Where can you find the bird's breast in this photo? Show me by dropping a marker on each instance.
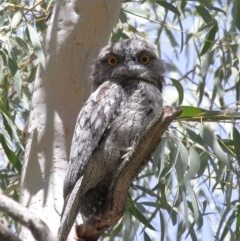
(136, 111)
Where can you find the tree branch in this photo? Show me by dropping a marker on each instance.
(131, 166)
(39, 229)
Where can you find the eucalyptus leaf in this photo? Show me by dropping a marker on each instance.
(194, 164)
(179, 88)
(236, 143)
(209, 41)
(204, 13)
(212, 141)
(37, 45)
(17, 17)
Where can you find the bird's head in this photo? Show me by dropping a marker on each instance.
(128, 60)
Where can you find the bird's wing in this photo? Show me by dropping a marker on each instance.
(92, 122)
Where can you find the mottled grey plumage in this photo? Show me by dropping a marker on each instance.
(127, 83)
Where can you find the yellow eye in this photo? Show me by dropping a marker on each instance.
(112, 60)
(144, 59)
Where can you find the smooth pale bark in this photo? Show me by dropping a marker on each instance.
(78, 29)
(38, 228)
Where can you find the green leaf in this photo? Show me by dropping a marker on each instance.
(194, 164)
(185, 205)
(22, 44)
(218, 10)
(189, 111)
(123, 17)
(182, 35)
(236, 143)
(204, 156)
(12, 65)
(179, 88)
(139, 215)
(18, 83)
(6, 137)
(37, 45)
(169, 6)
(11, 128)
(196, 138)
(228, 218)
(159, 158)
(172, 38)
(146, 237)
(180, 154)
(17, 17)
(208, 26)
(192, 233)
(209, 41)
(212, 141)
(204, 13)
(6, 144)
(237, 232)
(235, 13)
(162, 222)
(194, 203)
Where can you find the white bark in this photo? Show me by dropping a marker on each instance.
(38, 228)
(78, 29)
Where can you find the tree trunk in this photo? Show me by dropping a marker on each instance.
(78, 29)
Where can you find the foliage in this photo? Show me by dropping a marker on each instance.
(20, 52)
(190, 189)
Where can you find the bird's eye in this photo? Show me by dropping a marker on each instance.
(144, 59)
(112, 60)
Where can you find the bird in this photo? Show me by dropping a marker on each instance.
(127, 82)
